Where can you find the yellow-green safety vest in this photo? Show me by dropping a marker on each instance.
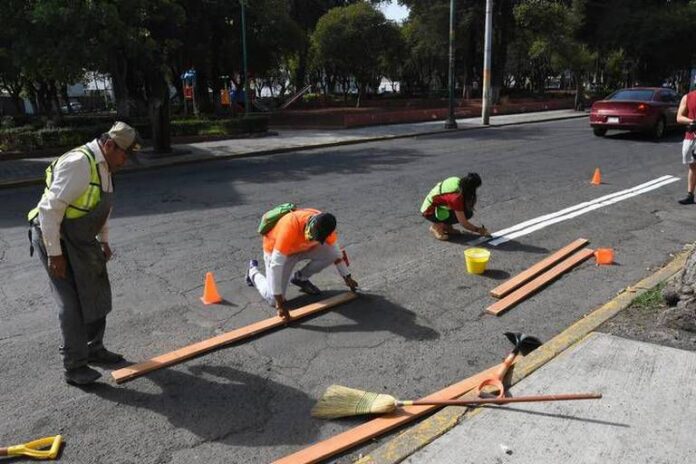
(449, 185)
(90, 197)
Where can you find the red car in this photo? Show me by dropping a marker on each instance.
(646, 109)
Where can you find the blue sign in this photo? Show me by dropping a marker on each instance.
(189, 75)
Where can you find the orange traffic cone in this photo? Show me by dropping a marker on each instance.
(597, 177)
(210, 293)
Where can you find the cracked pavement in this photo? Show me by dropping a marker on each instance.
(417, 327)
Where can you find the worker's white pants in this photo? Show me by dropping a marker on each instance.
(320, 257)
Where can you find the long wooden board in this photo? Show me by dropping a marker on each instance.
(531, 272)
(376, 427)
(526, 290)
(190, 351)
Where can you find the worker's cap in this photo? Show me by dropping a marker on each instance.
(125, 137)
(321, 226)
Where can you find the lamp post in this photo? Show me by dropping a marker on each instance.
(486, 103)
(451, 123)
(244, 57)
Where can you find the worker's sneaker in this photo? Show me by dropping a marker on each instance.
(305, 286)
(84, 375)
(253, 265)
(688, 200)
(104, 356)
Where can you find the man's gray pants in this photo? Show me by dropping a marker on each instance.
(320, 257)
(79, 338)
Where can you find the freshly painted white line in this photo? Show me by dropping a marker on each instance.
(538, 223)
(579, 206)
(593, 207)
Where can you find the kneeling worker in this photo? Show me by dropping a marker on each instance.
(450, 202)
(301, 234)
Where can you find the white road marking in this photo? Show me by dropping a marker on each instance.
(538, 223)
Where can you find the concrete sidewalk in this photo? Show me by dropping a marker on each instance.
(646, 415)
(647, 390)
(15, 173)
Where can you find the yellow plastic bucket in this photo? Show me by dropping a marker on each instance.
(476, 260)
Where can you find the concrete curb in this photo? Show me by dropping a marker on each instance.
(206, 158)
(425, 432)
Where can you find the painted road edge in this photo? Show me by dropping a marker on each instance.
(428, 430)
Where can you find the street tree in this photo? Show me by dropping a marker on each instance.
(352, 41)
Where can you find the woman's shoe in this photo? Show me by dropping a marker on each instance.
(438, 235)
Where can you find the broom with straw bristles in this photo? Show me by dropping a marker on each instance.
(340, 401)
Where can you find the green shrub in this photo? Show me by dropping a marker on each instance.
(16, 137)
(27, 138)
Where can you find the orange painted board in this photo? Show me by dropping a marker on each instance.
(531, 272)
(383, 424)
(528, 289)
(182, 354)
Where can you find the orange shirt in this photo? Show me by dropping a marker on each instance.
(288, 237)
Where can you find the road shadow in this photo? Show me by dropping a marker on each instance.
(195, 187)
(511, 245)
(673, 135)
(514, 245)
(496, 274)
(225, 405)
(374, 313)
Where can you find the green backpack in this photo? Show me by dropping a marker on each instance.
(271, 217)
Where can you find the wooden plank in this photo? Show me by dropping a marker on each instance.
(531, 272)
(376, 427)
(196, 349)
(523, 292)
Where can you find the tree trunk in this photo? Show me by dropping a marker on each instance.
(158, 106)
(301, 71)
(66, 98)
(579, 99)
(119, 71)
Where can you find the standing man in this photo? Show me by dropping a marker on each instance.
(302, 234)
(687, 116)
(69, 230)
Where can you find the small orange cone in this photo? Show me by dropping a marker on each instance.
(210, 292)
(597, 177)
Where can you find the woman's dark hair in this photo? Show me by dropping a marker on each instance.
(468, 185)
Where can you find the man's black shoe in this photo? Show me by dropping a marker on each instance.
(81, 375)
(104, 356)
(689, 200)
(306, 286)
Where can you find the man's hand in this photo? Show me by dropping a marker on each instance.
(280, 307)
(352, 284)
(57, 266)
(107, 250)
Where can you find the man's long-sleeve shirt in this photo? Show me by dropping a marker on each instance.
(71, 177)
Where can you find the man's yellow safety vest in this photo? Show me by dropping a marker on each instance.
(90, 197)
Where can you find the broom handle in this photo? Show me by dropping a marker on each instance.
(519, 399)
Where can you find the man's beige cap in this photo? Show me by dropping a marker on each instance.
(125, 136)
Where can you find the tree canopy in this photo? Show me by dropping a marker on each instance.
(145, 45)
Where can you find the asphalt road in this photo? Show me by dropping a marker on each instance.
(418, 326)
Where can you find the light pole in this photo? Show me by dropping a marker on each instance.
(244, 57)
(451, 123)
(486, 103)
